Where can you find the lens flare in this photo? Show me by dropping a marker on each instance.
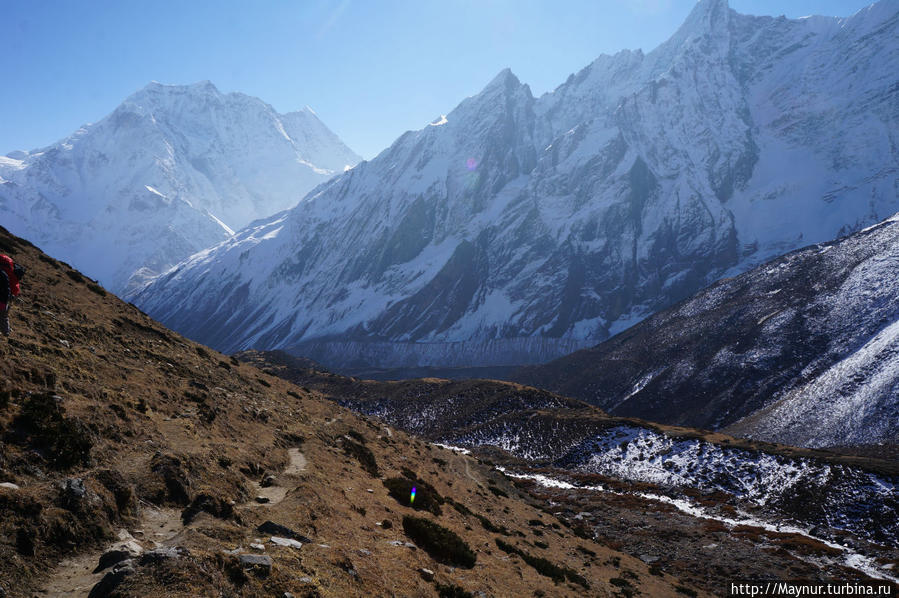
(412, 498)
(471, 164)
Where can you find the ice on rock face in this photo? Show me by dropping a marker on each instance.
(174, 169)
(522, 227)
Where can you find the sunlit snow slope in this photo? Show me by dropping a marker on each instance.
(515, 230)
(803, 350)
(172, 170)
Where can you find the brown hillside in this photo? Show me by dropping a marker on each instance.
(111, 424)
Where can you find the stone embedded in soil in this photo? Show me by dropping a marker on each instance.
(262, 499)
(118, 554)
(160, 554)
(111, 580)
(426, 574)
(285, 542)
(260, 563)
(276, 529)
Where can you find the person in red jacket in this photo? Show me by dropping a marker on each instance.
(10, 275)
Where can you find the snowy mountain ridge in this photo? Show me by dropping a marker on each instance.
(518, 228)
(802, 350)
(172, 170)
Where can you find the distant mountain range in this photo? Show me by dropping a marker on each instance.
(803, 350)
(173, 170)
(515, 229)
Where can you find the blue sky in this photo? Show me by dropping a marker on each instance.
(371, 69)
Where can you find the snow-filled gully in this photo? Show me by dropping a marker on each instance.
(851, 559)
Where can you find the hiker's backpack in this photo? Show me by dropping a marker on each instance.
(10, 270)
(19, 271)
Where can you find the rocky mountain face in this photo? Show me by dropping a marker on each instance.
(173, 170)
(848, 503)
(801, 350)
(517, 229)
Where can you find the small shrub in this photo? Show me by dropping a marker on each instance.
(542, 545)
(362, 454)
(97, 289)
(624, 585)
(459, 507)
(426, 497)
(66, 441)
(202, 352)
(355, 435)
(544, 567)
(387, 524)
(498, 491)
(686, 591)
(443, 545)
(451, 591)
(265, 383)
(75, 276)
(48, 260)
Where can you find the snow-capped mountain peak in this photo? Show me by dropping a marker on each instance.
(522, 228)
(172, 170)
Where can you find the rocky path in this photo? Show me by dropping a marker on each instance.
(74, 577)
(267, 496)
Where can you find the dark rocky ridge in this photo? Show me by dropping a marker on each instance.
(800, 350)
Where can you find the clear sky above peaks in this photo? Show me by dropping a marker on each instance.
(371, 69)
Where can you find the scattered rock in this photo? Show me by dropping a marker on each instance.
(9, 486)
(426, 574)
(118, 554)
(387, 524)
(268, 481)
(257, 546)
(285, 542)
(262, 500)
(276, 529)
(72, 493)
(410, 545)
(111, 580)
(287, 595)
(364, 552)
(260, 564)
(161, 554)
(648, 558)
